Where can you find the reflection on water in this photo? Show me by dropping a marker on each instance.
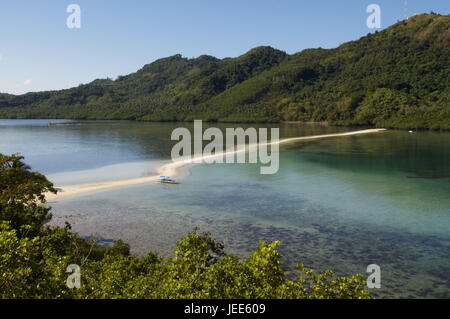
(340, 203)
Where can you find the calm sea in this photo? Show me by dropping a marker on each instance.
(340, 203)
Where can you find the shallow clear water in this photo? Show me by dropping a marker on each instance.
(340, 203)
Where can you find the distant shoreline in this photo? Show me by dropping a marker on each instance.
(319, 123)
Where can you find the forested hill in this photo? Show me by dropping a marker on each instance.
(398, 77)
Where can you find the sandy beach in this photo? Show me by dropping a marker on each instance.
(172, 168)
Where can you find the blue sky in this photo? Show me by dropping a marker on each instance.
(39, 52)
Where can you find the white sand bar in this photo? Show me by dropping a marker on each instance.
(172, 168)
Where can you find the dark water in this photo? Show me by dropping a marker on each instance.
(339, 203)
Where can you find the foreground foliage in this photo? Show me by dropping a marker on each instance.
(33, 260)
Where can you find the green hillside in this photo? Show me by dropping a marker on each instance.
(398, 77)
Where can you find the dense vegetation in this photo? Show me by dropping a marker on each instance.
(398, 77)
(34, 259)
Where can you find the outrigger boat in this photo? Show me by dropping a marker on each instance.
(168, 180)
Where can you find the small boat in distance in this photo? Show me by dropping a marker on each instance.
(168, 180)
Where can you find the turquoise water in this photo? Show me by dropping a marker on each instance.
(340, 203)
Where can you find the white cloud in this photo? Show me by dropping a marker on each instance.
(1, 57)
(27, 82)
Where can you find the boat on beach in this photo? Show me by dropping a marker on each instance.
(167, 180)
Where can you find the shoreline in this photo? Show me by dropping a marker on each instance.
(76, 121)
(322, 123)
(172, 168)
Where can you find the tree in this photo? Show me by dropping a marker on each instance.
(22, 195)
